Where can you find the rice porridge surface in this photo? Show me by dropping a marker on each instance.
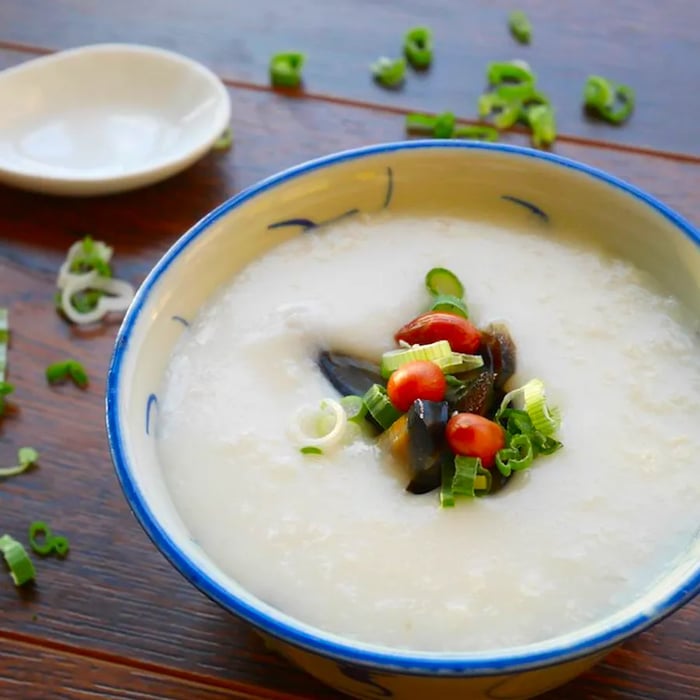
(335, 540)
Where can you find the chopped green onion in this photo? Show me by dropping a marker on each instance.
(26, 457)
(476, 132)
(44, 542)
(546, 420)
(544, 128)
(418, 47)
(506, 112)
(451, 304)
(459, 362)
(447, 496)
(5, 387)
(311, 450)
(389, 72)
(380, 407)
(354, 407)
(393, 359)
(420, 123)
(86, 290)
(67, 369)
(444, 125)
(285, 69)
(518, 455)
(20, 565)
(440, 280)
(520, 26)
(601, 96)
(534, 402)
(510, 72)
(470, 478)
(225, 141)
(322, 427)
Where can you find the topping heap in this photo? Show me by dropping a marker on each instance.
(439, 402)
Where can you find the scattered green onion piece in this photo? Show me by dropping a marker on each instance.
(67, 369)
(420, 123)
(459, 362)
(506, 112)
(544, 444)
(5, 389)
(542, 122)
(20, 565)
(92, 255)
(328, 425)
(26, 457)
(520, 26)
(598, 92)
(518, 455)
(476, 132)
(514, 91)
(418, 47)
(354, 407)
(601, 95)
(285, 69)
(389, 72)
(40, 537)
(534, 402)
(544, 419)
(447, 497)
(225, 141)
(311, 450)
(470, 478)
(380, 407)
(444, 125)
(450, 304)
(440, 280)
(510, 72)
(393, 359)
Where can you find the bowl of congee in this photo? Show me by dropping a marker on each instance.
(424, 414)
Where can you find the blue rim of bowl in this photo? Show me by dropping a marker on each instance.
(297, 633)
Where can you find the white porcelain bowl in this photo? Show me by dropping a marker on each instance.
(433, 176)
(106, 118)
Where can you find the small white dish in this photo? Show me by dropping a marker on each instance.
(106, 118)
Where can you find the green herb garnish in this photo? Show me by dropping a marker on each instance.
(607, 99)
(311, 450)
(26, 457)
(285, 69)
(67, 369)
(520, 26)
(418, 47)
(20, 565)
(225, 141)
(44, 542)
(389, 72)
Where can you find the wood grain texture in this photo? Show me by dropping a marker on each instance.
(652, 46)
(114, 597)
(23, 674)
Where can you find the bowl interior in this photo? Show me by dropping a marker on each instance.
(521, 189)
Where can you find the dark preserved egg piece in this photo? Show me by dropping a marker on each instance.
(478, 395)
(499, 353)
(426, 442)
(349, 375)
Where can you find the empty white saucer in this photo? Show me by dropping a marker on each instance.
(106, 118)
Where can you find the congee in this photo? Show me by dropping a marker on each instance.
(331, 535)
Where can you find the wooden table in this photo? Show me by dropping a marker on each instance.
(114, 620)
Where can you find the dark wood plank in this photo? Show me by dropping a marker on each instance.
(24, 666)
(650, 45)
(114, 593)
